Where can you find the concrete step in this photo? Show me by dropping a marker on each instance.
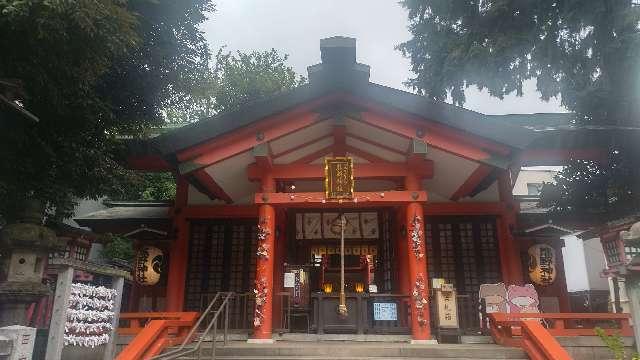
(363, 350)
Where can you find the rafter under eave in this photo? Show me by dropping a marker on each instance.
(473, 181)
(205, 184)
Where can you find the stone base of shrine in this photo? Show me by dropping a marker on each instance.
(261, 341)
(423, 342)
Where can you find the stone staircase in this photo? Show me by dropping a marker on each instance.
(342, 350)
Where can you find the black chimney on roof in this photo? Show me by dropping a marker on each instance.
(338, 64)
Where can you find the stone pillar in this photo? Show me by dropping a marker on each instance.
(632, 285)
(417, 267)
(263, 312)
(632, 282)
(110, 347)
(59, 314)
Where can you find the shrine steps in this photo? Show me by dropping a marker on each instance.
(349, 350)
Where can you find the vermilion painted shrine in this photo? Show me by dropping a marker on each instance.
(432, 199)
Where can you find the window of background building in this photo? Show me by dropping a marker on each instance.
(534, 188)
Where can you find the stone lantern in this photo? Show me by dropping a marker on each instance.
(632, 278)
(24, 249)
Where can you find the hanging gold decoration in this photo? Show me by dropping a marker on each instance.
(342, 308)
(338, 178)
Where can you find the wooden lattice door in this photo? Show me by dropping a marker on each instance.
(221, 258)
(463, 251)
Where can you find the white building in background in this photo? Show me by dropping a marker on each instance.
(584, 260)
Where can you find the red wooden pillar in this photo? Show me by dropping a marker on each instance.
(417, 266)
(178, 252)
(509, 248)
(263, 314)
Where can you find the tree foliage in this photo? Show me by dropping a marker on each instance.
(92, 72)
(586, 52)
(245, 77)
(117, 247)
(144, 186)
(236, 79)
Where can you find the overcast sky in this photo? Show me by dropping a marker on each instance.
(295, 27)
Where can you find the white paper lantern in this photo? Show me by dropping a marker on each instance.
(148, 266)
(542, 264)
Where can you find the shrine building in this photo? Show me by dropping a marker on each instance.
(412, 192)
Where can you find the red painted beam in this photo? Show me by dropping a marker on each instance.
(303, 145)
(432, 126)
(383, 170)
(213, 190)
(438, 140)
(339, 141)
(363, 154)
(264, 162)
(244, 139)
(253, 128)
(314, 155)
(476, 177)
(375, 143)
(551, 157)
(314, 199)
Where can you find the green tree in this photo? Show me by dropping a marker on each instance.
(233, 80)
(92, 71)
(236, 79)
(248, 77)
(586, 52)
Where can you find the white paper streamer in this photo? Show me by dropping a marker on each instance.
(87, 303)
(89, 316)
(86, 341)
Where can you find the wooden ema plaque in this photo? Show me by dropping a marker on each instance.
(338, 178)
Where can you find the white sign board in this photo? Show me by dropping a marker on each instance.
(385, 311)
(289, 279)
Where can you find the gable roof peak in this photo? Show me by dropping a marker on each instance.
(338, 66)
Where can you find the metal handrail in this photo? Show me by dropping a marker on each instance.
(180, 351)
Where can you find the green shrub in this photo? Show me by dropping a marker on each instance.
(615, 343)
(117, 247)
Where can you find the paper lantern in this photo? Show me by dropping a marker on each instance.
(148, 266)
(542, 264)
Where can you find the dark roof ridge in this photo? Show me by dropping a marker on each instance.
(491, 127)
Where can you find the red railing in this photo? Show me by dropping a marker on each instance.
(526, 330)
(154, 332)
(539, 344)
